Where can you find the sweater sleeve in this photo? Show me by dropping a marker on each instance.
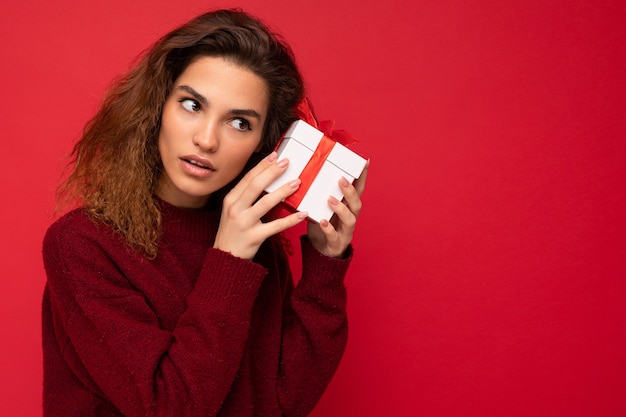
(113, 341)
(315, 330)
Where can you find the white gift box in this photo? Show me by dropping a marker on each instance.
(319, 162)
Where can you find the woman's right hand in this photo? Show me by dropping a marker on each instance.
(241, 231)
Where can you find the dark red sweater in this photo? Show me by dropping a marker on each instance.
(194, 332)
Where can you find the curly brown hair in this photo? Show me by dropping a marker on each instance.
(115, 166)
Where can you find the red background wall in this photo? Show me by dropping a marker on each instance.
(490, 276)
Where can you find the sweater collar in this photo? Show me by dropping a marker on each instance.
(189, 224)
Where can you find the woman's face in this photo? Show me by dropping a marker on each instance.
(211, 124)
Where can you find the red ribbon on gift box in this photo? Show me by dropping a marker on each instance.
(324, 147)
(305, 112)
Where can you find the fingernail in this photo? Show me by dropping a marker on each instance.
(295, 183)
(303, 215)
(332, 200)
(272, 157)
(283, 162)
(344, 182)
(324, 223)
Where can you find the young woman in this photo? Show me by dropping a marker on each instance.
(169, 292)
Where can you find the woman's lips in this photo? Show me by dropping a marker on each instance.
(199, 161)
(197, 166)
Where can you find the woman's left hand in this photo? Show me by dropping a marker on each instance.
(333, 237)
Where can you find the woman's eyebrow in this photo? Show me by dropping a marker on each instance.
(245, 112)
(203, 100)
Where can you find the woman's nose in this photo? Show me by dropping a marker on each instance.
(207, 137)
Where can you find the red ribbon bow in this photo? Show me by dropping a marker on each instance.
(304, 112)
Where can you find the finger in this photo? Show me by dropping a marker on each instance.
(271, 200)
(265, 163)
(255, 184)
(346, 218)
(333, 239)
(351, 195)
(276, 226)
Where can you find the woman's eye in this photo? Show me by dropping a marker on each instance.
(240, 124)
(190, 105)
